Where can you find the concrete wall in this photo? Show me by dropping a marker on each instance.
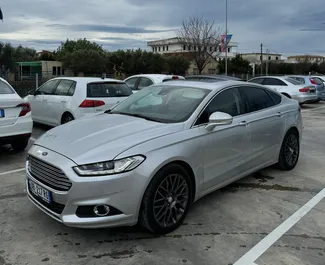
(51, 69)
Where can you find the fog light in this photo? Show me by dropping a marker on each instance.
(101, 210)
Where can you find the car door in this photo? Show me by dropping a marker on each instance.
(144, 82)
(39, 100)
(275, 83)
(58, 103)
(133, 83)
(267, 123)
(226, 149)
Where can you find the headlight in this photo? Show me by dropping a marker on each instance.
(109, 167)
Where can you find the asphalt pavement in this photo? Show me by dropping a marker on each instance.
(269, 218)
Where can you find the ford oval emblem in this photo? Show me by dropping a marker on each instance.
(44, 153)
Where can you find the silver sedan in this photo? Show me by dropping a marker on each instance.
(150, 157)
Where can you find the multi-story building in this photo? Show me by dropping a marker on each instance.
(174, 46)
(307, 58)
(255, 57)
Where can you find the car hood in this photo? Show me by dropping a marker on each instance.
(102, 137)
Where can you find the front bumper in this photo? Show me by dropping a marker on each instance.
(122, 192)
(305, 98)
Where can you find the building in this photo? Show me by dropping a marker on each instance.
(174, 46)
(44, 69)
(255, 57)
(44, 52)
(306, 58)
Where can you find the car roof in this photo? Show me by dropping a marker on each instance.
(204, 85)
(271, 76)
(157, 77)
(215, 76)
(88, 79)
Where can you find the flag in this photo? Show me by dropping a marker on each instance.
(1, 16)
(225, 39)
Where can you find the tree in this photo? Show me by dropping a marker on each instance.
(82, 56)
(236, 65)
(177, 64)
(47, 56)
(202, 39)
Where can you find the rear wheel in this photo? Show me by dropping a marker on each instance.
(166, 200)
(19, 144)
(290, 149)
(67, 117)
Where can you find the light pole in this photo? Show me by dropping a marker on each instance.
(226, 62)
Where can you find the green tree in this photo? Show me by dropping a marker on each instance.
(47, 56)
(236, 65)
(82, 56)
(177, 65)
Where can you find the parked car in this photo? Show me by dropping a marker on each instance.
(312, 81)
(211, 78)
(149, 163)
(289, 87)
(321, 77)
(15, 118)
(137, 82)
(64, 99)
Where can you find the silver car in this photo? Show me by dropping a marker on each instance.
(154, 154)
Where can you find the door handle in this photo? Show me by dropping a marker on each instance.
(279, 114)
(63, 101)
(243, 123)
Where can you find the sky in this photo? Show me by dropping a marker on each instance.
(283, 26)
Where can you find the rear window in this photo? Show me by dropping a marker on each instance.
(108, 89)
(295, 80)
(317, 80)
(5, 88)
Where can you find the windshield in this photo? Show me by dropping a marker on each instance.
(293, 81)
(167, 104)
(5, 89)
(108, 89)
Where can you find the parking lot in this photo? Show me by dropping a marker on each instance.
(222, 228)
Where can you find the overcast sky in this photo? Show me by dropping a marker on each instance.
(284, 26)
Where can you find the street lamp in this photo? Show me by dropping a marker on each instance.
(226, 62)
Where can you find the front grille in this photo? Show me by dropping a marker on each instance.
(54, 206)
(49, 175)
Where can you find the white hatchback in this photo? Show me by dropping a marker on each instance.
(64, 99)
(15, 118)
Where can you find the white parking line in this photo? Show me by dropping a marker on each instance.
(12, 171)
(270, 239)
(32, 139)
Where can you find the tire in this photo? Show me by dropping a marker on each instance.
(67, 117)
(290, 145)
(170, 209)
(20, 144)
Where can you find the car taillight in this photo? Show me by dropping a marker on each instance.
(87, 103)
(174, 77)
(25, 108)
(304, 89)
(312, 81)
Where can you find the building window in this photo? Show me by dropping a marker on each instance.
(194, 48)
(228, 49)
(210, 49)
(189, 47)
(277, 58)
(269, 58)
(54, 70)
(184, 47)
(166, 48)
(163, 48)
(159, 48)
(59, 70)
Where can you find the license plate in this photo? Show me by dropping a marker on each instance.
(2, 113)
(40, 192)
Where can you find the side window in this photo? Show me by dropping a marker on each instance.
(72, 89)
(144, 82)
(256, 80)
(63, 87)
(227, 101)
(276, 98)
(132, 82)
(47, 88)
(273, 82)
(257, 98)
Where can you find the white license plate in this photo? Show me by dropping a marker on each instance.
(40, 192)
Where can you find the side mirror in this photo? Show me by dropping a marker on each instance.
(217, 119)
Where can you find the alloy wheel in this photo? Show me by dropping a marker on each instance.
(291, 150)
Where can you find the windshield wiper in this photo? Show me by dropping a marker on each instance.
(134, 115)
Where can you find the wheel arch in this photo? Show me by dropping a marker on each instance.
(66, 113)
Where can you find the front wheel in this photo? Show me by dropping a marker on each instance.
(166, 200)
(290, 149)
(67, 118)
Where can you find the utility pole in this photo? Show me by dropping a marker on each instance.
(261, 58)
(267, 62)
(226, 62)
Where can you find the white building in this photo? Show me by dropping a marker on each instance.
(306, 58)
(173, 45)
(255, 57)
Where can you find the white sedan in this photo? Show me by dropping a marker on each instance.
(289, 87)
(15, 118)
(137, 82)
(63, 99)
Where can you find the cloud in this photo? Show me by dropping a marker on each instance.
(287, 27)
